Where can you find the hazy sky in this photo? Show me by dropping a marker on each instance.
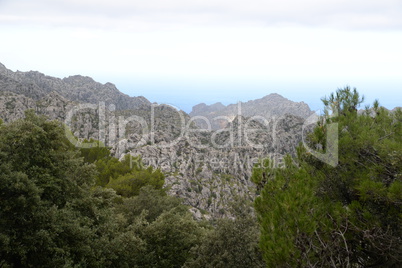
(183, 52)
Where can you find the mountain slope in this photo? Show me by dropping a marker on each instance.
(269, 107)
(36, 85)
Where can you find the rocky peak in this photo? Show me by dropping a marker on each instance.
(268, 107)
(79, 80)
(217, 106)
(111, 86)
(36, 85)
(4, 70)
(274, 96)
(199, 108)
(202, 108)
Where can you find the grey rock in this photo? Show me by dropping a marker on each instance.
(74, 88)
(268, 107)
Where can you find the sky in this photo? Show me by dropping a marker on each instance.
(184, 52)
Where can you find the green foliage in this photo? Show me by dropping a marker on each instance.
(343, 101)
(170, 239)
(126, 177)
(313, 214)
(49, 216)
(168, 229)
(111, 168)
(52, 215)
(289, 210)
(97, 152)
(231, 243)
(130, 184)
(151, 201)
(38, 149)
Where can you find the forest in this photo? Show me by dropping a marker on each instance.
(66, 207)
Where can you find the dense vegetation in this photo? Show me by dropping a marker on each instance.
(126, 177)
(316, 215)
(64, 207)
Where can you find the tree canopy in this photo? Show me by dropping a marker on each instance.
(49, 216)
(315, 214)
(64, 207)
(52, 213)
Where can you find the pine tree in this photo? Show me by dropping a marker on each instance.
(315, 214)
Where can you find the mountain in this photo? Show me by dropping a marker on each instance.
(36, 85)
(207, 169)
(269, 107)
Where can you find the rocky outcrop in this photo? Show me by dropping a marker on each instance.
(268, 107)
(210, 170)
(202, 108)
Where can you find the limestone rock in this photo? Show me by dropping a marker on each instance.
(268, 107)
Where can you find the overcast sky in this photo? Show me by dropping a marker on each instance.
(183, 52)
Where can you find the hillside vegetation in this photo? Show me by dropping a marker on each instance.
(347, 215)
(62, 207)
(66, 207)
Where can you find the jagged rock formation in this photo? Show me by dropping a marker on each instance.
(74, 88)
(208, 172)
(208, 169)
(268, 107)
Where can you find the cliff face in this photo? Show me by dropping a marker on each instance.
(268, 107)
(208, 169)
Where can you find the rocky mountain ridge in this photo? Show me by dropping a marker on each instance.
(208, 169)
(269, 107)
(74, 88)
